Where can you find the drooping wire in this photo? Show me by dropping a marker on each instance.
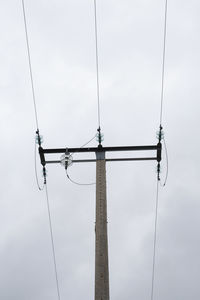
(30, 65)
(52, 243)
(88, 141)
(155, 241)
(66, 167)
(36, 173)
(97, 63)
(163, 63)
(167, 165)
(78, 183)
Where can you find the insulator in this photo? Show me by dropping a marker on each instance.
(66, 160)
(99, 137)
(160, 135)
(158, 169)
(38, 139)
(44, 172)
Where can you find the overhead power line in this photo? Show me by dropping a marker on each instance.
(52, 242)
(163, 62)
(30, 65)
(97, 63)
(38, 140)
(160, 137)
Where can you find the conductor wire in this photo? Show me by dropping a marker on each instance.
(163, 62)
(88, 141)
(36, 173)
(155, 242)
(97, 62)
(78, 183)
(52, 242)
(167, 164)
(30, 65)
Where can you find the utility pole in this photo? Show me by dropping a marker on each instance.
(101, 239)
(101, 249)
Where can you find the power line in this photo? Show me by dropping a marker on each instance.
(97, 62)
(160, 137)
(163, 62)
(44, 170)
(52, 242)
(30, 65)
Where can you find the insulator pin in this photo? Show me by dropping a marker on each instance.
(160, 135)
(99, 137)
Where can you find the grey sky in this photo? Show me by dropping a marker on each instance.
(63, 58)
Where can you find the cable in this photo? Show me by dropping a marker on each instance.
(44, 170)
(162, 89)
(160, 135)
(154, 241)
(163, 62)
(52, 242)
(88, 141)
(30, 65)
(36, 174)
(97, 62)
(78, 183)
(32, 88)
(167, 164)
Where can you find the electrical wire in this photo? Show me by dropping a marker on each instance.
(161, 117)
(36, 173)
(167, 164)
(162, 85)
(78, 183)
(88, 141)
(163, 62)
(32, 88)
(97, 62)
(154, 242)
(37, 125)
(30, 65)
(52, 243)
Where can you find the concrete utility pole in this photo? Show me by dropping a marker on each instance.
(101, 249)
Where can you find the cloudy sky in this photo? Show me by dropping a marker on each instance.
(62, 47)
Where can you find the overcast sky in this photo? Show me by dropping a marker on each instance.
(62, 48)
